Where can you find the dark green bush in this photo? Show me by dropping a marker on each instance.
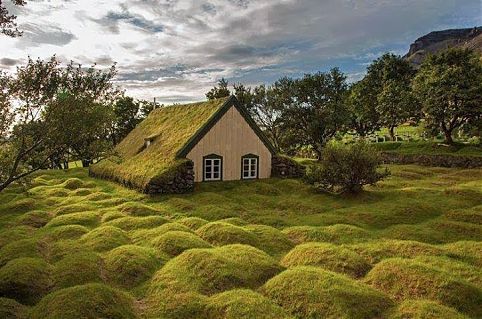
(346, 168)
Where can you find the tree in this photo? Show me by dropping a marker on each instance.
(219, 91)
(126, 117)
(362, 105)
(449, 87)
(8, 26)
(317, 110)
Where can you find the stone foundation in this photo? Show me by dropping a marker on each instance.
(179, 182)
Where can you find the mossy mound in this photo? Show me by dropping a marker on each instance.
(111, 215)
(327, 256)
(175, 304)
(98, 196)
(21, 206)
(214, 270)
(310, 292)
(85, 301)
(234, 221)
(73, 183)
(105, 238)
(130, 265)
(25, 280)
(15, 233)
(67, 232)
(11, 309)
(21, 248)
(73, 208)
(175, 242)
(471, 215)
(376, 251)
(424, 309)
(138, 209)
(338, 234)
(133, 223)
(145, 236)
(243, 304)
(81, 192)
(87, 219)
(193, 222)
(469, 251)
(66, 247)
(219, 233)
(35, 219)
(409, 279)
(77, 269)
(271, 240)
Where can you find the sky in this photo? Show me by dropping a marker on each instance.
(176, 50)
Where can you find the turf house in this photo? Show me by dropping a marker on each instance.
(176, 146)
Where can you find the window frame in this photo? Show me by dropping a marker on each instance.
(212, 157)
(249, 157)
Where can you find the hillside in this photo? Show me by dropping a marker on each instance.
(440, 40)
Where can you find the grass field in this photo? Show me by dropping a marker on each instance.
(76, 247)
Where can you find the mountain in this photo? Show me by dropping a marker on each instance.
(441, 40)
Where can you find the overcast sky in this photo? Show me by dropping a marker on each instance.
(176, 50)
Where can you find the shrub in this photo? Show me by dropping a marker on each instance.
(130, 265)
(243, 304)
(219, 233)
(328, 256)
(85, 301)
(105, 238)
(408, 279)
(77, 269)
(25, 280)
(10, 309)
(175, 242)
(424, 309)
(346, 168)
(309, 292)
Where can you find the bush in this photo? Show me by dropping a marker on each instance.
(78, 269)
(86, 301)
(26, 280)
(175, 242)
(310, 292)
(424, 309)
(10, 309)
(346, 168)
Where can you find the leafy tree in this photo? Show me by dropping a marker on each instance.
(219, 91)
(362, 105)
(8, 26)
(126, 117)
(449, 87)
(317, 110)
(146, 107)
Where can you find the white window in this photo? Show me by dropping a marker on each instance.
(249, 169)
(213, 169)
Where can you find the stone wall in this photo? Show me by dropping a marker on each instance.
(432, 160)
(178, 182)
(285, 167)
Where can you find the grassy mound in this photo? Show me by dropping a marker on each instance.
(133, 223)
(175, 242)
(424, 309)
(327, 256)
(138, 209)
(214, 270)
(73, 208)
(25, 280)
(236, 221)
(145, 236)
(338, 234)
(105, 238)
(130, 265)
(243, 304)
(10, 309)
(175, 304)
(35, 219)
(219, 233)
(86, 301)
(21, 206)
(193, 222)
(21, 248)
(471, 215)
(271, 240)
(73, 183)
(111, 215)
(67, 232)
(77, 269)
(469, 251)
(310, 292)
(408, 279)
(87, 219)
(98, 196)
(12, 234)
(81, 192)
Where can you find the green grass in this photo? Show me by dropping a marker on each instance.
(429, 148)
(410, 247)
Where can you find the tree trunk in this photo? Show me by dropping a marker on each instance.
(86, 162)
(448, 137)
(392, 133)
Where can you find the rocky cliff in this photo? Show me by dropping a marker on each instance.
(440, 40)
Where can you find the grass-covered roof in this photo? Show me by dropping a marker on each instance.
(169, 129)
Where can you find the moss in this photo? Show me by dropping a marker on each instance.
(67, 232)
(20, 248)
(98, 196)
(409, 279)
(138, 209)
(130, 265)
(236, 221)
(15, 233)
(81, 192)
(309, 292)
(85, 301)
(271, 240)
(424, 309)
(11, 309)
(193, 222)
(327, 256)
(25, 280)
(35, 219)
(219, 233)
(337, 234)
(175, 304)
(108, 216)
(243, 304)
(66, 247)
(105, 238)
(214, 270)
(145, 236)
(133, 223)
(175, 242)
(72, 208)
(88, 219)
(73, 183)
(21, 206)
(77, 269)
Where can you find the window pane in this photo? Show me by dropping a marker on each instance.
(216, 175)
(216, 168)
